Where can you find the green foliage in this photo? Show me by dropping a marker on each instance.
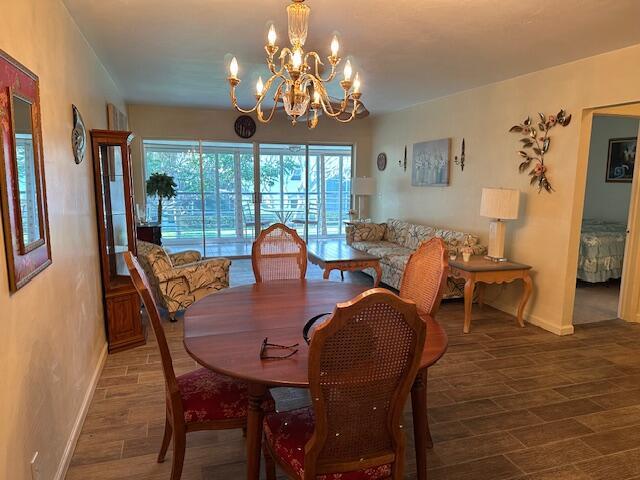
(161, 185)
(184, 167)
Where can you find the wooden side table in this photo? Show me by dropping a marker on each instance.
(482, 271)
(151, 233)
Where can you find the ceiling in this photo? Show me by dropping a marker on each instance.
(174, 52)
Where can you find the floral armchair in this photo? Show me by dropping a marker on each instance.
(180, 279)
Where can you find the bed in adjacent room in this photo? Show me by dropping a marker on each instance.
(601, 250)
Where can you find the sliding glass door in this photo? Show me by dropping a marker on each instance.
(307, 187)
(329, 189)
(182, 216)
(223, 197)
(283, 184)
(228, 184)
(213, 205)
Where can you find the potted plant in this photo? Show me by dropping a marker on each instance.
(466, 253)
(162, 186)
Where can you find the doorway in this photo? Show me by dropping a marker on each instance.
(606, 244)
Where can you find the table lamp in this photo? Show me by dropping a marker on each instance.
(362, 187)
(499, 204)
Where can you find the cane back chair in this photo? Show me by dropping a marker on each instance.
(279, 254)
(424, 282)
(425, 276)
(198, 400)
(362, 363)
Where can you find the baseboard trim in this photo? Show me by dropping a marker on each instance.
(82, 414)
(535, 320)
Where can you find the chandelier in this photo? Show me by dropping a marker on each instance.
(296, 79)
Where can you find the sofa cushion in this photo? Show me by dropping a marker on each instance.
(386, 252)
(156, 257)
(398, 261)
(369, 232)
(366, 246)
(397, 231)
(416, 234)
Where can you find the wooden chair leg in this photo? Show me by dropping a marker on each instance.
(269, 464)
(179, 446)
(426, 394)
(429, 439)
(168, 431)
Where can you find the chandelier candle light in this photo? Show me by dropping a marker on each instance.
(296, 81)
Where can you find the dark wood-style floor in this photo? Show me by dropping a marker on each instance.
(505, 403)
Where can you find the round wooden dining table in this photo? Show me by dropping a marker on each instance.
(224, 332)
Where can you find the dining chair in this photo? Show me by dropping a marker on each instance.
(249, 219)
(279, 254)
(424, 282)
(310, 217)
(198, 400)
(362, 363)
(425, 276)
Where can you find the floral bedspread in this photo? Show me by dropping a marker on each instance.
(601, 250)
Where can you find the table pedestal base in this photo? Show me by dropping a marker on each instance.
(255, 415)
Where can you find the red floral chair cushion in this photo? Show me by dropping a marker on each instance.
(209, 396)
(287, 433)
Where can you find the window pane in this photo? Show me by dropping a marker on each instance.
(282, 185)
(215, 184)
(228, 191)
(181, 216)
(330, 168)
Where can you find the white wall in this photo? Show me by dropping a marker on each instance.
(157, 122)
(52, 329)
(483, 117)
(607, 200)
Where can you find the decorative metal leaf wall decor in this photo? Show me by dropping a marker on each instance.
(535, 143)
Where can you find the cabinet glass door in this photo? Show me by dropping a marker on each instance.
(114, 208)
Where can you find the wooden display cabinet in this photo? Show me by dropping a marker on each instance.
(116, 231)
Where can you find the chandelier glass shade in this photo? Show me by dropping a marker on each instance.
(296, 80)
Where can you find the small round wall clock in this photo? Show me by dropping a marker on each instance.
(382, 161)
(245, 126)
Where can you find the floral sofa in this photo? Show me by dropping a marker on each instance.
(182, 278)
(395, 240)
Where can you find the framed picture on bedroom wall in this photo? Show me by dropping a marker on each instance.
(621, 159)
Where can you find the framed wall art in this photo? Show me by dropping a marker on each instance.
(621, 160)
(23, 191)
(431, 163)
(116, 120)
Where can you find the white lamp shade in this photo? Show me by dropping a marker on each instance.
(363, 186)
(500, 203)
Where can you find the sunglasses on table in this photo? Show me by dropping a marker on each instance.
(264, 355)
